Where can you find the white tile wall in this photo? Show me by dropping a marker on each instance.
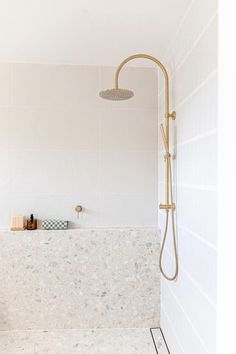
(5, 84)
(64, 127)
(54, 85)
(62, 145)
(188, 316)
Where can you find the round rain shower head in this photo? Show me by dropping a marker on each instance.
(116, 94)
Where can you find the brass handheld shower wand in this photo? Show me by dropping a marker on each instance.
(168, 207)
(118, 94)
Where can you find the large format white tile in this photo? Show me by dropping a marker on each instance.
(202, 315)
(205, 272)
(54, 131)
(185, 332)
(5, 171)
(188, 317)
(54, 85)
(65, 127)
(5, 209)
(129, 172)
(54, 172)
(198, 114)
(128, 210)
(171, 337)
(129, 129)
(197, 162)
(201, 62)
(203, 202)
(195, 22)
(5, 84)
(5, 128)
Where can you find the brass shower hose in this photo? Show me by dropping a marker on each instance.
(168, 161)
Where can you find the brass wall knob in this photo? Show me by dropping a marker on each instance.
(78, 208)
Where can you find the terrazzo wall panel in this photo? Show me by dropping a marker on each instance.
(100, 278)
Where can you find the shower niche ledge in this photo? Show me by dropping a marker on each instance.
(80, 278)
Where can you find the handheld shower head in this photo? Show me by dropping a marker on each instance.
(116, 94)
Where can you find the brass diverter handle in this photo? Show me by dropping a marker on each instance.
(78, 209)
(167, 206)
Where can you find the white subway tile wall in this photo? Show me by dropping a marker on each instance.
(188, 316)
(62, 145)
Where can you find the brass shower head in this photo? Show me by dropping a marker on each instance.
(116, 94)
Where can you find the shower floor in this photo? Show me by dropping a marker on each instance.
(99, 341)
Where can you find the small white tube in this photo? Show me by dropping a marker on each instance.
(164, 138)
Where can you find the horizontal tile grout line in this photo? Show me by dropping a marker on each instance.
(194, 186)
(98, 106)
(193, 139)
(74, 329)
(172, 327)
(198, 88)
(195, 90)
(179, 28)
(188, 319)
(195, 43)
(98, 66)
(198, 237)
(82, 149)
(195, 283)
(201, 34)
(196, 138)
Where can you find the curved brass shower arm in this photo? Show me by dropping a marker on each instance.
(161, 66)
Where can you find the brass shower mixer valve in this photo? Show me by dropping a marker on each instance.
(78, 209)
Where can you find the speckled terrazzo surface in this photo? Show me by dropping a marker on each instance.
(100, 341)
(104, 278)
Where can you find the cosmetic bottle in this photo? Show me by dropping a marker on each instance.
(31, 223)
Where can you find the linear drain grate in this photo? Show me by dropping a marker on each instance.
(159, 341)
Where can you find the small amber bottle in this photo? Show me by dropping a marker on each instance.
(32, 223)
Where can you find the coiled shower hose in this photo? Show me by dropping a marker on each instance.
(168, 161)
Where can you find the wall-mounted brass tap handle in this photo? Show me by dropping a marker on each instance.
(78, 208)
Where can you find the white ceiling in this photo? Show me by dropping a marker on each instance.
(86, 32)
